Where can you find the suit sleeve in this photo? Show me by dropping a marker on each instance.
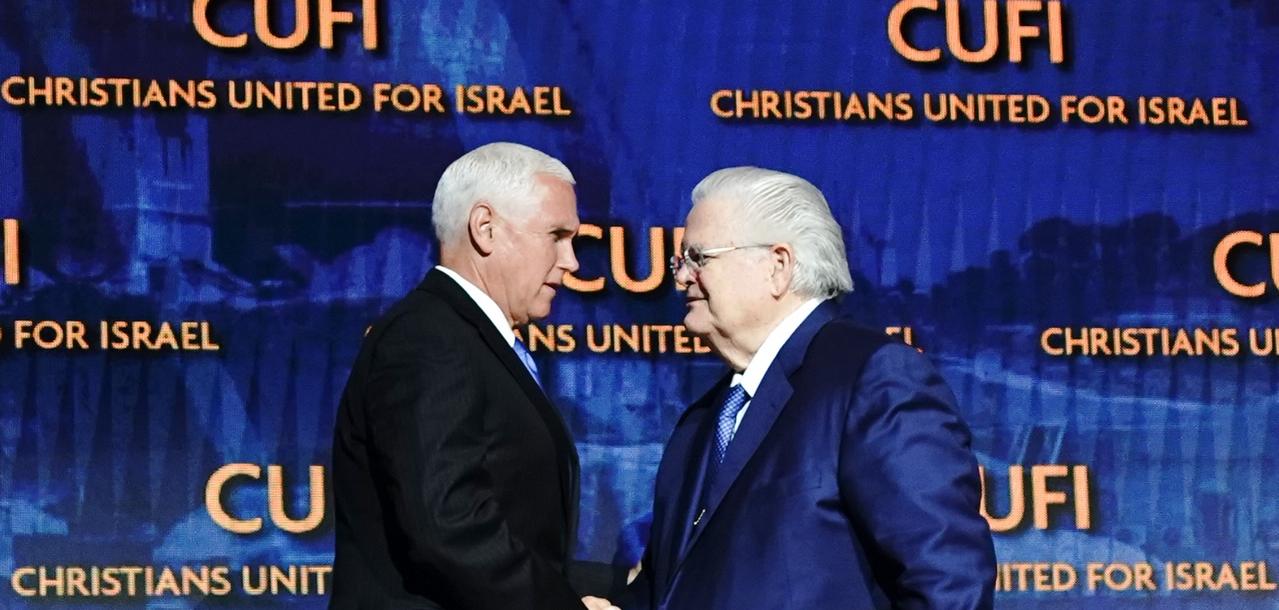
(425, 415)
(909, 480)
(639, 594)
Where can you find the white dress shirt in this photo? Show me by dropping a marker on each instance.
(763, 358)
(486, 303)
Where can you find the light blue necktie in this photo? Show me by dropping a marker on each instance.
(527, 359)
(727, 420)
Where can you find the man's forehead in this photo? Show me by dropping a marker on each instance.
(704, 223)
(557, 206)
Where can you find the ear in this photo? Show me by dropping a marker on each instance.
(481, 223)
(781, 272)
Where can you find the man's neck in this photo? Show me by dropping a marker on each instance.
(739, 352)
(469, 270)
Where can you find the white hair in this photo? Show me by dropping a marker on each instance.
(503, 174)
(774, 207)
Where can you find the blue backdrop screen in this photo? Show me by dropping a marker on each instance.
(1072, 212)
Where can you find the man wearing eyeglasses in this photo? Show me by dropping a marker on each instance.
(829, 467)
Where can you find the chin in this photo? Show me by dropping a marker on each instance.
(697, 323)
(539, 311)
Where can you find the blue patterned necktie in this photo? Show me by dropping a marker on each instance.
(727, 421)
(527, 359)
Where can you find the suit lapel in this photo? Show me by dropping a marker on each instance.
(439, 284)
(690, 445)
(774, 391)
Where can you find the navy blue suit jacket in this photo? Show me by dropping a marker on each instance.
(841, 489)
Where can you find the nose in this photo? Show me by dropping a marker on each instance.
(568, 259)
(684, 275)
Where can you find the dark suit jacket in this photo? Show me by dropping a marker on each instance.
(849, 484)
(455, 480)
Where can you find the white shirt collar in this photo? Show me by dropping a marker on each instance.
(754, 373)
(486, 303)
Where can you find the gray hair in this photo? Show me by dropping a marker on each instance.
(501, 173)
(775, 207)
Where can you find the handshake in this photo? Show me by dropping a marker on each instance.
(598, 603)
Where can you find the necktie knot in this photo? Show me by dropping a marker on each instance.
(726, 423)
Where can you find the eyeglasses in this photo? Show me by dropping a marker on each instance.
(696, 258)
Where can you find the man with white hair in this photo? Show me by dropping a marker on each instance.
(455, 479)
(829, 468)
